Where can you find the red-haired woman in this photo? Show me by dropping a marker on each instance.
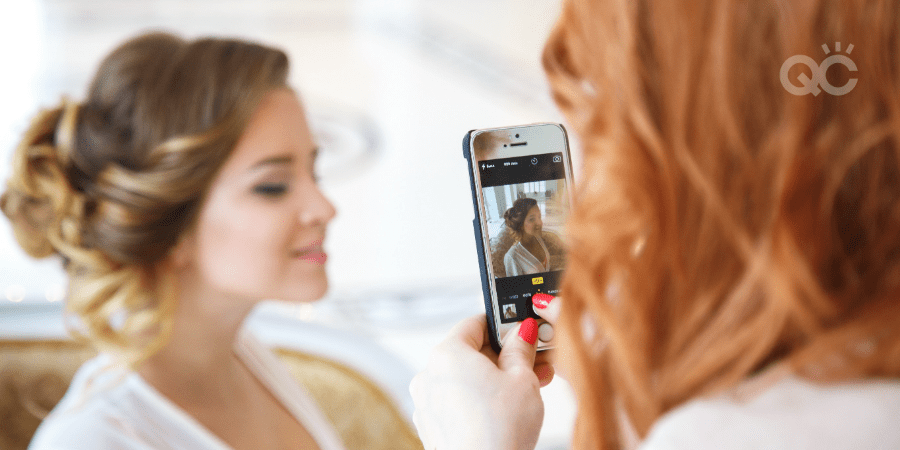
(734, 273)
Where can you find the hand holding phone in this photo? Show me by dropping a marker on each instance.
(519, 178)
(467, 401)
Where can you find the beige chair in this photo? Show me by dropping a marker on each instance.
(34, 376)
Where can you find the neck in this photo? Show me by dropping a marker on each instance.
(198, 357)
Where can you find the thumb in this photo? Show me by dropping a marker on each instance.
(547, 306)
(518, 348)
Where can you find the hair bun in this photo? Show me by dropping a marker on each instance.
(39, 197)
(515, 216)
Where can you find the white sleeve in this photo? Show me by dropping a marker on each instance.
(85, 432)
(509, 262)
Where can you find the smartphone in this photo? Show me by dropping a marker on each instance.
(520, 179)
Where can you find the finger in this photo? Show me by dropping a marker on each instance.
(545, 357)
(547, 306)
(471, 332)
(489, 353)
(544, 373)
(518, 348)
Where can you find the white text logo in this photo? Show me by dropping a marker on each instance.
(811, 85)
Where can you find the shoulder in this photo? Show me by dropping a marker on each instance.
(87, 417)
(792, 414)
(510, 255)
(90, 428)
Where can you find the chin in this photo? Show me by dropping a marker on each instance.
(309, 291)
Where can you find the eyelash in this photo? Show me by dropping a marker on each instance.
(274, 190)
(271, 190)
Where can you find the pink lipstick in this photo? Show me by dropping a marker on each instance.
(312, 253)
(316, 256)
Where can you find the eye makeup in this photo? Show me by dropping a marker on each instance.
(271, 189)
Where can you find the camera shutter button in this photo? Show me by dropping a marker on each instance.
(545, 332)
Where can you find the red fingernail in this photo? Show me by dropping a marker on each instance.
(541, 300)
(529, 330)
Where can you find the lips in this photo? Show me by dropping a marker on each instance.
(312, 253)
(316, 257)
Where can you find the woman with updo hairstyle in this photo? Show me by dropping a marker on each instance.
(178, 194)
(529, 254)
(733, 275)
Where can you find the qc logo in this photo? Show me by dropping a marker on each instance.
(812, 85)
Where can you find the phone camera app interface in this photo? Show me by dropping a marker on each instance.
(526, 203)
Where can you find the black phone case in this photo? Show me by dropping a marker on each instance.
(482, 263)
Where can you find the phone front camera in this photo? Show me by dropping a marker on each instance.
(517, 136)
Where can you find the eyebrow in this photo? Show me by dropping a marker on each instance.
(283, 159)
(275, 160)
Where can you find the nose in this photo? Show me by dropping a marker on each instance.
(316, 209)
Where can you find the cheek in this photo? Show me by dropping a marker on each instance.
(241, 247)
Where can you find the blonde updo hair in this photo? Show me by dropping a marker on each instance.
(112, 183)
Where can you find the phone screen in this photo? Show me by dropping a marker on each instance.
(523, 175)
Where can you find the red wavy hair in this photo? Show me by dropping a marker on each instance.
(723, 224)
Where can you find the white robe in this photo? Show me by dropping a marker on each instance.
(791, 414)
(111, 407)
(519, 261)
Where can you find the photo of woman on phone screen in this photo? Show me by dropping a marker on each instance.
(529, 254)
(525, 227)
